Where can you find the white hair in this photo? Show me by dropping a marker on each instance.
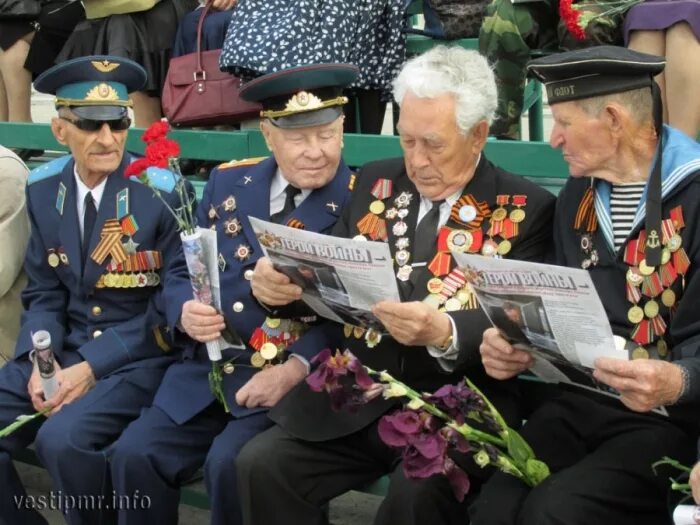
(455, 71)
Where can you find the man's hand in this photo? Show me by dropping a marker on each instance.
(645, 384)
(500, 359)
(272, 287)
(36, 389)
(223, 5)
(695, 482)
(414, 323)
(268, 386)
(73, 383)
(201, 321)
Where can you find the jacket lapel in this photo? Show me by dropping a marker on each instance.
(69, 227)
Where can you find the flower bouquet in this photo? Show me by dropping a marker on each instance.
(159, 169)
(578, 18)
(430, 424)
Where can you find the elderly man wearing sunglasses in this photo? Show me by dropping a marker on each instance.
(97, 244)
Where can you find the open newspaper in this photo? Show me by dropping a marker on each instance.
(554, 312)
(341, 278)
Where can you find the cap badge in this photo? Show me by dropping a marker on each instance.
(102, 92)
(303, 101)
(104, 66)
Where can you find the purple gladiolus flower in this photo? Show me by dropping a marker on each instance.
(332, 376)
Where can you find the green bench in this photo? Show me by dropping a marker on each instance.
(534, 160)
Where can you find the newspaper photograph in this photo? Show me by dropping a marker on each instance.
(553, 312)
(341, 278)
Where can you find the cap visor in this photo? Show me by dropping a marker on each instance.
(307, 119)
(100, 112)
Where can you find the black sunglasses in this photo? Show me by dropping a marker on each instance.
(89, 125)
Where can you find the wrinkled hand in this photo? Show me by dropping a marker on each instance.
(223, 5)
(201, 321)
(73, 383)
(36, 390)
(500, 359)
(695, 482)
(272, 287)
(414, 323)
(645, 384)
(268, 386)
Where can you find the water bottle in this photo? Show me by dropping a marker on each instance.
(43, 357)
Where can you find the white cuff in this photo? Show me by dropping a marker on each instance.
(446, 358)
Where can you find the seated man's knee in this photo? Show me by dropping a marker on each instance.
(56, 437)
(259, 458)
(549, 504)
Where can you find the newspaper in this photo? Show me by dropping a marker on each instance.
(554, 312)
(201, 251)
(686, 515)
(341, 278)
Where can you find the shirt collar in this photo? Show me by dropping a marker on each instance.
(82, 190)
(279, 184)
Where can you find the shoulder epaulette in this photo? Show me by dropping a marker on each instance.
(240, 163)
(48, 169)
(351, 183)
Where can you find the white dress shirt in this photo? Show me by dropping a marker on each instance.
(83, 190)
(278, 196)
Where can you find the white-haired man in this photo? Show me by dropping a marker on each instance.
(443, 182)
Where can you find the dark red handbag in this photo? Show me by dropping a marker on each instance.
(198, 93)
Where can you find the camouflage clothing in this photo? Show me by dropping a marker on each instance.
(509, 34)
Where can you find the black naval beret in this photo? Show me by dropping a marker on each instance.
(94, 87)
(594, 71)
(302, 96)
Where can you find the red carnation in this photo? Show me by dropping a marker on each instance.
(160, 151)
(137, 167)
(156, 131)
(570, 15)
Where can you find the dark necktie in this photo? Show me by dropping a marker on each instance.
(426, 234)
(289, 204)
(88, 225)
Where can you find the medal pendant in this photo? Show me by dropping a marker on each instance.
(635, 314)
(640, 353)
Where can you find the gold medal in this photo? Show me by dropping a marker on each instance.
(634, 277)
(268, 351)
(459, 241)
(635, 314)
(257, 360)
(504, 246)
(229, 368)
(490, 248)
(651, 309)
(452, 305)
(463, 296)
(668, 298)
(665, 255)
(499, 214)
(662, 348)
(358, 331)
(640, 353)
(377, 207)
(675, 242)
(53, 260)
(433, 300)
(644, 269)
(347, 330)
(372, 337)
(435, 285)
(272, 322)
(517, 215)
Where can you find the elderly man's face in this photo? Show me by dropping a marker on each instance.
(439, 159)
(308, 157)
(96, 153)
(585, 140)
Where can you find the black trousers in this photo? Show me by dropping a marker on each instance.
(601, 459)
(284, 480)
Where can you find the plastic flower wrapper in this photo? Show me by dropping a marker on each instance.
(430, 425)
(579, 18)
(159, 169)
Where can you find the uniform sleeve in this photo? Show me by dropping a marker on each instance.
(136, 339)
(45, 298)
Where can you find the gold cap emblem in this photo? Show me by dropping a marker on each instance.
(102, 92)
(104, 66)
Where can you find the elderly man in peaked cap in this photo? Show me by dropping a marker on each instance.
(104, 325)
(629, 215)
(304, 184)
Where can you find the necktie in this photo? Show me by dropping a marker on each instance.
(289, 205)
(426, 234)
(88, 224)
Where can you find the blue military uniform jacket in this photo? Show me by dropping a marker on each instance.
(185, 389)
(104, 314)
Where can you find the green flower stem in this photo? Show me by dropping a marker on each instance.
(21, 421)
(681, 487)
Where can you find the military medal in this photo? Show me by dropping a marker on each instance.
(229, 368)
(402, 213)
(452, 305)
(651, 309)
(644, 269)
(229, 203)
(489, 248)
(402, 257)
(399, 229)
(232, 227)
(503, 247)
(358, 331)
(347, 330)
(640, 353)
(402, 243)
(60, 198)
(435, 285)
(53, 259)
(668, 298)
(212, 213)
(459, 241)
(500, 213)
(635, 314)
(391, 214)
(467, 213)
(222, 262)
(359, 238)
(242, 252)
(404, 273)
(268, 351)
(377, 207)
(403, 199)
(518, 215)
(372, 337)
(257, 360)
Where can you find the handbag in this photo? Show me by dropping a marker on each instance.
(459, 18)
(198, 93)
(19, 9)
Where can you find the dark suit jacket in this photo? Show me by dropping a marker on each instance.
(308, 415)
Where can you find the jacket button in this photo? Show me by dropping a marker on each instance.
(96, 334)
(96, 310)
(248, 275)
(238, 306)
